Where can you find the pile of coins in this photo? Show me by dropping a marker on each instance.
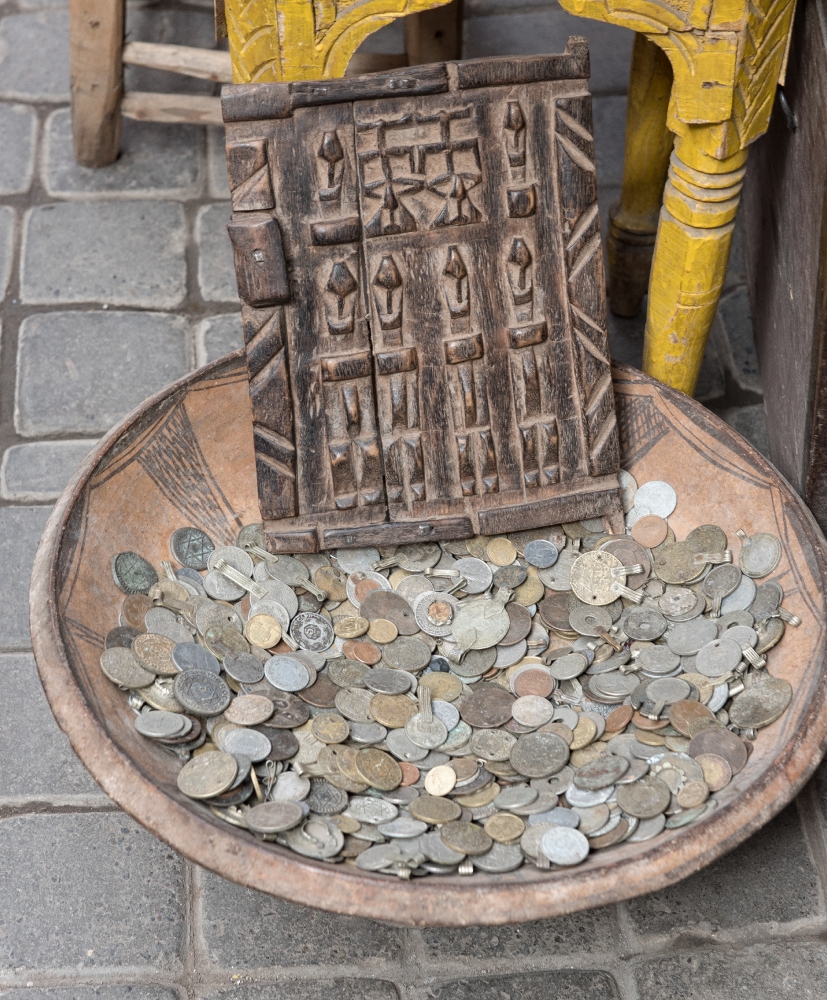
(469, 705)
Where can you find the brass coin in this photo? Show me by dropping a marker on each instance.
(583, 734)
(382, 630)
(717, 772)
(350, 627)
(683, 713)
(435, 809)
(207, 775)
(444, 687)
(133, 610)
(482, 797)
(531, 590)
(392, 710)
(500, 551)
(610, 837)
(504, 827)
(223, 639)
(643, 798)
(329, 727)
(122, 667)
(723, 743)
(478, 546)
(263, 631)
(154, 652)
(249, 710)
(378, 769)
(332, 581)
(693, 794)
(467, 838)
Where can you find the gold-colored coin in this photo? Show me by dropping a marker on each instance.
(263, 631)
(381, 630)
(167, 588)
(397, 576)
(705, 685)
(440, 780)
(223, 639)
(693, 794)
(154, 652)
(444, 687)
(531, 590)
(347, 824)
(249, 710)
(205, 748)
(583, 734)
(392, 710)
(207, 775)
(350, 627)
(435, 810)
(378, 769)
(561, 729)
(501, 551)
(587, 754)
(478, 546)
(332, 582)
(479, 798)
(330, 727)
(650, 738)
(504, 827)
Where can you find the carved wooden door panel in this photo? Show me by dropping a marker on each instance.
(424, 298)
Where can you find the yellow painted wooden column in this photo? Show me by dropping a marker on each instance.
(274, 40)
(726, 59)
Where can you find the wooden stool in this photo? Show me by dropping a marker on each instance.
(702, 86)
(309, 51)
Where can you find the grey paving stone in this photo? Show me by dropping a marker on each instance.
(32, 473)
(124, 254)
(24, 76)
(95, 993)
(769, 880)
(216, 271)
(18, 126)
(609, 138)
(6, 245)
(562, 984)
(87, 892)
(751, 422)
(589, 931)
(711, 382)
(37, 758)
(736, 344)
(20, 531)
(762, 972)
(736, 271)
(304, 989)
(219, 186)
(548, 31)
(80, 372)
(217, 336)
(153, 161)
(153, 22)
(247, 928)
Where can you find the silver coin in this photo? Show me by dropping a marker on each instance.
(741, 598)
(219, 588)
(317, 837)
(379, 857)
(326, 799)
(585, 797)
(250, 742)
(291, 787)
(657, 497)
(564, 846)
(434, 612)
(648, 828)
(720, 696)
(759, 555)
(500, 858)
(600, 773)
(367, 733)
(286, 673)
(404, 826)
(447, 713)
(233, 556)
(643, 623)
(614, 684)
(428, 733)
(201, 692)
(718, 657)
(558, 576)
(541, 553)
(569, 666)
(686, 638)
(476, 573)
(274, 817)
(507, 656)
(189, 577)
(311, 631)
(216, 614)
(476, 663)
(242, 667)
(383, 680)
(628, 489)
(354, 704)
(538, 755)
(658, 660)
(458, 739)
(162, 725)
(162, 621)
(371, 809)
(281, 594)
(189, 655)
(590, 621)
(677, 601)
(356, 560)
(667, 690)
(406, 653)
(744, 635)
(435, 848)
(516, 795)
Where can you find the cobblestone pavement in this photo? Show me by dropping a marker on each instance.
(117, 282)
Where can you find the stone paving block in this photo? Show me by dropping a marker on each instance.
(18, 126)
(609, 138)
(80, 372)
(127, 254)
(217, 163)
(588, 931)
(785, 969)
(768, 880)
(732, 330)
(548, 31)
(153, 162)
(33, 473)
(736, 271)
(561, 984)
(94, 993)
(751, 422)
(87, 892)
(217, 336)
(247, 928)
(37, 758)
(24, 76)
(6, 245)
(153, 22)
(20, 531)
(216, 270)
(305, 989)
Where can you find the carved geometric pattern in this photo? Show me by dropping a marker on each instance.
(249, 175)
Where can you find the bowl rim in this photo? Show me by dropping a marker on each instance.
(528, 893)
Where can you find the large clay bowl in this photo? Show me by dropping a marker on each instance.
(186, 457)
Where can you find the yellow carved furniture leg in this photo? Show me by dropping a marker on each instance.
(726, 59)
(633, 221)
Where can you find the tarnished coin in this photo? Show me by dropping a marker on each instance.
(186, 655)
(134, 609)
(476, 573)
(207, 775)
(249, 710)
(378, 769)
(242, 667)
(317, 837)
(677, 601)
(354, 704)
(538, 755)
(392, 710)
(121, 635)
(362, 651)
(601, 773)
(132, 573)
(644, 798)
(761, 703)
(563, 845)
(532, 711)
(504, 828)
(569, 666)
(721, 743)
(643, 623)
(683, 714)
(718, 657)
(162, 725)
(650, 530)
(202, 692)
(274, 817)
(466, 838)
(444, 686)
(487, 707)
(716, 770)
(312, 631)
(347, 673)
(154, 652)
(500, 551)
(326, 799)
(435, 809)
(383, 680)
(686, 638)
(191, 547)
(223, 639)
(288, 711)
(406, 653)
(122, 667)
(759, 555)
(350, 626)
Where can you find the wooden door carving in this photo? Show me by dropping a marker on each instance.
(424, 301)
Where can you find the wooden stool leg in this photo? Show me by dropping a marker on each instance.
(690, 259)
(96, 48)
(434, 35)
(633, 221)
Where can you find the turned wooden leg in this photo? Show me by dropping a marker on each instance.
(434, 35)
(691, 253)
(633, 221)
(96, 48)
